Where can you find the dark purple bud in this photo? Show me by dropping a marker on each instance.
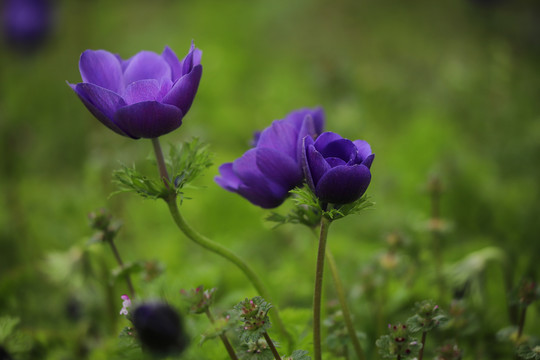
(265, 174)
(4, 355)
(26, 23)
(336, 169)
(145, 96)
(159, 329)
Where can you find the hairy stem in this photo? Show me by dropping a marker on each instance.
(272, 346)
(217, 248)
(344, 307)
(325, 224)
(223, 337)
(421, 353)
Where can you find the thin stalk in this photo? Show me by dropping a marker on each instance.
(325, 224)
(217, 248)
(110, 240)
(272, 346)
(421, 353)
(223, 337)
(344, 307)
(161, 162)
(521, 322)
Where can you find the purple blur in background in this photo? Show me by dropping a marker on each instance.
(336, 169)
(26, 23)
(145, 96)
(265, 174)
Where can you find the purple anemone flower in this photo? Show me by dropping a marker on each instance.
(145, 96)
(26, 23)
(265, 174)
(336, 169)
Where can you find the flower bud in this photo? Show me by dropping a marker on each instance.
(159, 329)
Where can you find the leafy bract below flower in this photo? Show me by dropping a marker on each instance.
(145, 96)
(336, 169)
(265, 174)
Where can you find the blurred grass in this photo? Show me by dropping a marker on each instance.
(445, 88)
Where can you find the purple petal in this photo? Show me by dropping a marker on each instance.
(142, 90)
(364, 150)
(368, 161)
(192, 59)
(149, 119)
(325, 138)
(147, 65)
(342, 148)
(317, 166)
(175, 65)
(256, 187)
(280, 136)
(343, 184)
(101, 68)
(228, 179)
(263, 195)
(102, 103)
(278, 167)
(334, 161)
(184, 90)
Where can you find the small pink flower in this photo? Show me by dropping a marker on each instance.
(125, 304)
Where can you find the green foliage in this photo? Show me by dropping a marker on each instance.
(254, 316)
(255, 350)
(7, 325)
(528, 352)
(427, 317)
(398, 344)
(308, 209)
(185, 163)
(298, 355)
(220, 326)
(199, 300)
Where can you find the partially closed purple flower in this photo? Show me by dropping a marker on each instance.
(145, 96)
(265, 174)
(336, 169)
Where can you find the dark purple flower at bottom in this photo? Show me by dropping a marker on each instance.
(265, 174)
(4, 355)
(159, 329)
(336, 169)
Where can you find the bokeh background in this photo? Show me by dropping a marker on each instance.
(445, 90)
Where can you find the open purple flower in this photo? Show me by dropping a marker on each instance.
(265, 174)
(145, 96)
(336, 169)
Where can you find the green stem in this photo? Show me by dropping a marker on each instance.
(217, 248)
(272, 346)
(325, 224)
(521, 322)
(344, 307)
(161, 162)
(110, 240)
(232, 257)
(421, 353)
(223, 337)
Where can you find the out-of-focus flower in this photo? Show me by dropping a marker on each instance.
(159, 329)
(336, 169)
(26, 23)
(125, 304)
(145, 96)
(265, 174)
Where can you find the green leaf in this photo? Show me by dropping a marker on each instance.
(7, 325)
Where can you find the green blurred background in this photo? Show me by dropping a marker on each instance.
(445, 89)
